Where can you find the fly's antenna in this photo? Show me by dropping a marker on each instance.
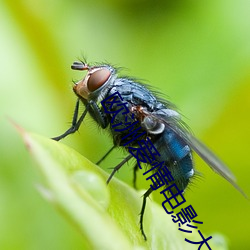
(80, 66)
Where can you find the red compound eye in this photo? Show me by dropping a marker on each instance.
(97, 79)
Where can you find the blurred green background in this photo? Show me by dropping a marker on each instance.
(195, 52)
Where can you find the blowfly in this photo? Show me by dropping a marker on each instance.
(153, 118)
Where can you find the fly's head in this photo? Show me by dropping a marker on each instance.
(96, 79)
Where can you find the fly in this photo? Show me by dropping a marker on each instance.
(157, 119)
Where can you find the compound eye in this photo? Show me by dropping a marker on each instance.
(97, 79)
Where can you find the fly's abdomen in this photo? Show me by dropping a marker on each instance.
(182, 171)
(177, 156)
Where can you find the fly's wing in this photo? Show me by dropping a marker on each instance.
(174, 123)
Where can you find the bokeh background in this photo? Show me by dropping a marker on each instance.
(196, 52)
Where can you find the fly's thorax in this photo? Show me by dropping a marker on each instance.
(97, 79)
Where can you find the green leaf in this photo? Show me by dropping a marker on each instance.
(106, 215)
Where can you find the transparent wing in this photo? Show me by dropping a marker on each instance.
(175, 124)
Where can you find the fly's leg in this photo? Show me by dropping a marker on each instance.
(92, 108)
(135, 169)
(116, 168)
(97, 114)
(145, 196)
(75, 124)
(105, 155)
